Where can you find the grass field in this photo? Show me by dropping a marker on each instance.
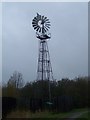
(46, 114)
(85, 115)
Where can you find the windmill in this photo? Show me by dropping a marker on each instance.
(44, 71)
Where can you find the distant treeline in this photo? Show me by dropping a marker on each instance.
(66, 94)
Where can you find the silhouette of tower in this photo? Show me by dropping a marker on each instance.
(44, 71)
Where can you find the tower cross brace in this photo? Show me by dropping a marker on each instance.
(44, 71)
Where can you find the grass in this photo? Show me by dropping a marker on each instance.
(28, 114)
(45, 114)
(85, 115)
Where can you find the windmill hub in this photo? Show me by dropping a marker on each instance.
(40, 23)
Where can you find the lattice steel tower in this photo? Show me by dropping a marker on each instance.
(42, 25)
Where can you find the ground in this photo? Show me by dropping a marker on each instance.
(76, 113)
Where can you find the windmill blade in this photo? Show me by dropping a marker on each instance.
(35, 18)
(47, 24)
(42, 17)
(34, 25)
(37, 29)
(40, 30)
(34, 22)
(46, 20)
(46, 28)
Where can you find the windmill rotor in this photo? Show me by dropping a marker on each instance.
(41, 23)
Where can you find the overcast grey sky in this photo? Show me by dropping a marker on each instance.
(68, 45)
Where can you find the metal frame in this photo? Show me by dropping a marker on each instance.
(44, 70)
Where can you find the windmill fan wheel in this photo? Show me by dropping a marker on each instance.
(41, 23)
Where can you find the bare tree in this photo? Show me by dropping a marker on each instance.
(16, 80)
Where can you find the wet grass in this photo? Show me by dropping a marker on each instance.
(45, 114)
(85, 115)
(28, 114)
